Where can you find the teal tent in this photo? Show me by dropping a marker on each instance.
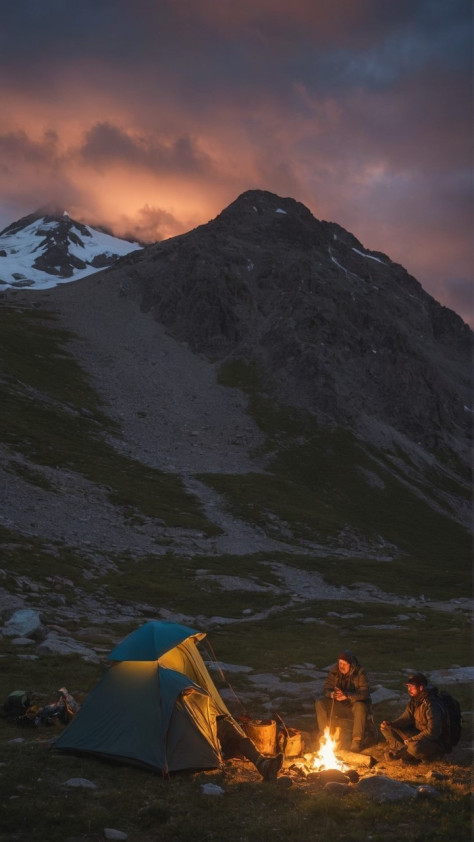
(156, 706)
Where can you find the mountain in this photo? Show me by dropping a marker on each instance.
(261, 391)
(47, 247)
(340, 331)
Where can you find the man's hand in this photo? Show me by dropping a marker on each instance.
(338, 695)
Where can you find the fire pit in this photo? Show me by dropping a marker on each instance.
(331, 763)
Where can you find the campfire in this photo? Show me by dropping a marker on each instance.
(326, 756)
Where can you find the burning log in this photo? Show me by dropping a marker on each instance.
(355, 758)
(333, 775)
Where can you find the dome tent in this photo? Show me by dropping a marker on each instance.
(156, 705)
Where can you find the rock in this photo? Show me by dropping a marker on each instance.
(23, 623)
(8, 601)
(211, 789)
(437, 776)
(336, 788)
(54, 644)
(284, 782)
(380, 788)
(111, 833)
(451, 675)
(80, 782)
(426, 791)
(383, 694)
(22, 641)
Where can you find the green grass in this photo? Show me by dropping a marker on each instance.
(40, 560)
(428, 640)
(172, 581)
(31, 475)
(405, 576)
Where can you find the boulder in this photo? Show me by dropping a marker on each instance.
(54, 644)
(80, 783)
(336, 788)
(23, 623)
(380, 788)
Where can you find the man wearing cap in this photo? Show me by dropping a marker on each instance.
(416, 734)
(345, 696)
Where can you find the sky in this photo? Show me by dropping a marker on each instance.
(151, 116)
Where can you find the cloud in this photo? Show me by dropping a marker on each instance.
(149, 225)
(106, 144)
(19, 147)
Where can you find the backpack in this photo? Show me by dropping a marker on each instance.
(452, 720)
(16, 704)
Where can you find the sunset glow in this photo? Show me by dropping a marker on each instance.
(151, 118)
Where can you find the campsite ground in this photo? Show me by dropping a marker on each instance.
(39, 804)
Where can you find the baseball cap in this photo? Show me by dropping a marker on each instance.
(417, 679)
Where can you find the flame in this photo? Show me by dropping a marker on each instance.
(326, 757)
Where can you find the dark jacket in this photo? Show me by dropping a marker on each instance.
(425, 713)
(354, 684)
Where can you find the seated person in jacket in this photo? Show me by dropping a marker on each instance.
(345, 696)
(416, 734)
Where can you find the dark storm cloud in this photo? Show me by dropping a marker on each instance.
(106, 144)
(321, 44)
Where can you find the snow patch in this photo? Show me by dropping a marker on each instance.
(370, 256)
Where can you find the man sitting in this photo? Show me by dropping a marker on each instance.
(417, 733)
(346, 696)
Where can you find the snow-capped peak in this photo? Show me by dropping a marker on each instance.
(48, 247)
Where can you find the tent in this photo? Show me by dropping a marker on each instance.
(156, 706)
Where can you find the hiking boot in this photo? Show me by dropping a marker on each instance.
(356, 745)
(269, 767)
(408, 759)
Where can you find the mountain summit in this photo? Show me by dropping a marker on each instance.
(341, 331)
(48, 247)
